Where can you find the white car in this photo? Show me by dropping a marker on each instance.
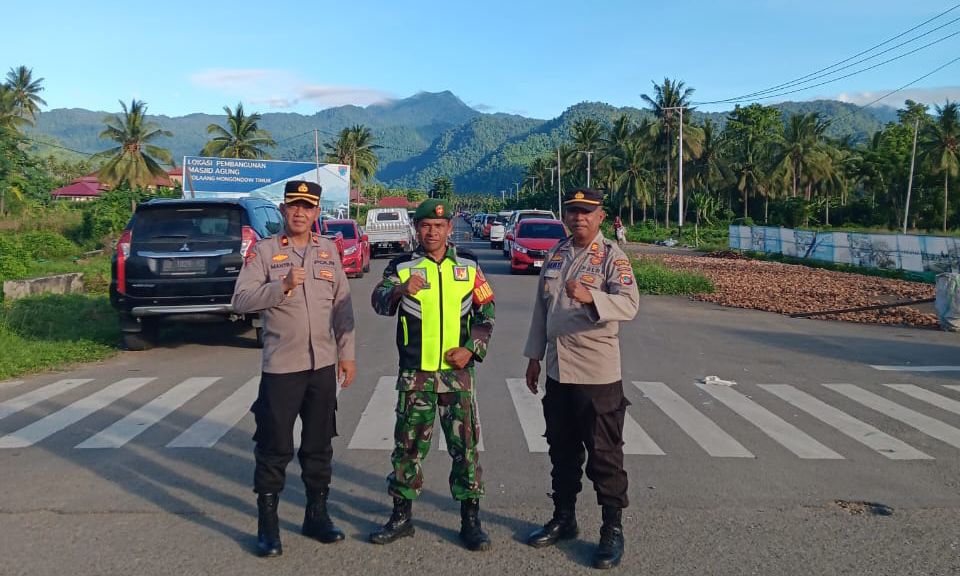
(511, 226)
(499, 229)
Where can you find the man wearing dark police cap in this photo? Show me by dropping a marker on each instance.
(446, 312)
(586, 289)
(296, 282)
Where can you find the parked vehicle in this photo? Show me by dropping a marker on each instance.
(390, 230)
(532, 240)
(356, 246)
(517, 216)
(487, 225)
(477, 223)
(499, 229)
(179, 259)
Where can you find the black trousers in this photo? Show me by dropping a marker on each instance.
(585, 424)
(311, 394)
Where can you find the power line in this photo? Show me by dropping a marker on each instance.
(844, 61)
(862, 70)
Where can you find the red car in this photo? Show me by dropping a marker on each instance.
(534, 237)
(356, 246)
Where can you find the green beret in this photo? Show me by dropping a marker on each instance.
(432, 208)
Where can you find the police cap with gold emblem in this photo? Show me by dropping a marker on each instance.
(303, 191)
(432, 208)
(584, 198)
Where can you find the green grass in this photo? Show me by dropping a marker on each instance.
(655, 278)
(51, 331)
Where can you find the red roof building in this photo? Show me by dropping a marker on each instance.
(394, 202)
(89, 187)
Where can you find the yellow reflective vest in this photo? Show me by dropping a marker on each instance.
(437, 318)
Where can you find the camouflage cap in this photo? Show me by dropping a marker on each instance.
(433, 208)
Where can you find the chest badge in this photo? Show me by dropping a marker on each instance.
(279, 257)
(460, 273)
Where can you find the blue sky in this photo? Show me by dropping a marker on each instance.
(532, 58)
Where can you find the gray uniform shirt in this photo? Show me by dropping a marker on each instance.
(310, 327)
(580, 341)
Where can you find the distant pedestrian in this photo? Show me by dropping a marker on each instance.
(585, 289)
(297, 284)
(446, 314)
(620, 231)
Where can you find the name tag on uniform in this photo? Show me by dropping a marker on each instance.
(555, 265)
(460, 273)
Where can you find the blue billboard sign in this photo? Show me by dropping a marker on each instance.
(205, 177)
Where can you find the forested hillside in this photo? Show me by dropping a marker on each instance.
(425, 136)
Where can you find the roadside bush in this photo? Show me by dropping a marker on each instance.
(655, 278)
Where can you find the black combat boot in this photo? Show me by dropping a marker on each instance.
(268, 526)
(472, 535)
(316, 520)
(610, 549)
(563, 525)
(399, 525)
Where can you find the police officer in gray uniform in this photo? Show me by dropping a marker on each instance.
(297, 284)
(586, 288)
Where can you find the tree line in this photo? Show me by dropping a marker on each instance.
(759, 167)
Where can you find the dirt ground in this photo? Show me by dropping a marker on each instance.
(789, 288)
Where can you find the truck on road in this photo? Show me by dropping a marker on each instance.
(390, 230)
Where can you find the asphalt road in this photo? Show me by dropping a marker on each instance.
(142, 464)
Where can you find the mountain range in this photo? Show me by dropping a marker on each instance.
(422, 137)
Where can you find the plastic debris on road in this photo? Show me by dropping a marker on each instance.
(716, 381)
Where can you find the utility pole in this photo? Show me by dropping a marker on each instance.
(680, 169)
(533, 186)
(516, 191)
(913, 157)
(559, 194)
(589, 153)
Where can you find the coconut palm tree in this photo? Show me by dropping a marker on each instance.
(355, 147)
(587, 135)
(666, 102)
(136, 160)
(242, 138)
(633, 177)
(801, 148)
(941, 146)
(10, 119)
(26, 92)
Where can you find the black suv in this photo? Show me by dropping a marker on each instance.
(179, 260)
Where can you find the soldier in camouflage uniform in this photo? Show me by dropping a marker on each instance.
(446, 311)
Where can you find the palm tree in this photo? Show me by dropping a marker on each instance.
(587, 135)
(941, 145)
(242, 138)
(633, 177)
(355, 147)
(135, 161)
(665, 105)
(801, 147)
(26, 92)
(710, 169)
(10, 119)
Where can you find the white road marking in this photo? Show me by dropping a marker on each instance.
(375, 429)
(927, 425)
(938, 400)
(138, 421)
(530, 412)
(861, 432)
(701, 429)
(71, 414)
(916, 368)
(778, 429)
(207, 431)
(33, 397)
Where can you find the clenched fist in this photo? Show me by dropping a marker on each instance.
(294, 278)
(577, 291)
(413, 285)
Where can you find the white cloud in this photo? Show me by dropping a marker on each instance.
(924, 95)
(282, 89)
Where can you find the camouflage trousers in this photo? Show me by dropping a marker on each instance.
(416, 411)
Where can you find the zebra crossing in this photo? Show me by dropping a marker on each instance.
(720, 431)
